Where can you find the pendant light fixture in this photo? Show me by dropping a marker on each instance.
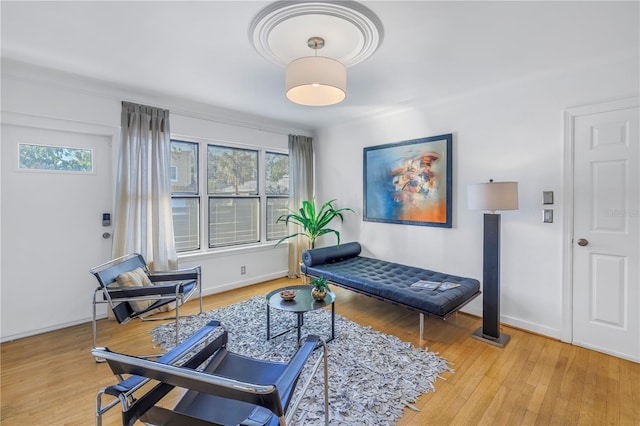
(316, 80)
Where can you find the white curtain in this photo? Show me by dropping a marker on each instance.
(300, 188)
(143, 221)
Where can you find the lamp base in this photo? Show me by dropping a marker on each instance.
(500, 341)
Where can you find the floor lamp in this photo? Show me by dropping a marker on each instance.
(492, 196)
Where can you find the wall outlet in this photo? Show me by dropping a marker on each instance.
(243, 270)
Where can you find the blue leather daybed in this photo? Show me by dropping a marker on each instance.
(391, 282)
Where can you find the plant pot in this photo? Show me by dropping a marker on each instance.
(318, 294)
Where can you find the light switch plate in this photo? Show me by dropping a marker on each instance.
(547, 216)
(547, 197)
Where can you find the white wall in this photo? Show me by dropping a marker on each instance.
(509, 132)
(41, 97)
(513, 131)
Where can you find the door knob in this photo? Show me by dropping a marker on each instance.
(582, 242)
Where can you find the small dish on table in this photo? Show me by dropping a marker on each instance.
(288, 294)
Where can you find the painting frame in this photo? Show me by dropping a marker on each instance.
(409, 182)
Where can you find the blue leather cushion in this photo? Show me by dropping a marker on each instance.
(393, 281)
(331, 254)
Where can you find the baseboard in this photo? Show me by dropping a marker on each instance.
(205, 292)
(239, 284)
(29, 333)
(519, 323)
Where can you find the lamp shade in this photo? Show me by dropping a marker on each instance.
(316, 81)
(493, 196)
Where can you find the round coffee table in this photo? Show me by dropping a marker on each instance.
(303, 302)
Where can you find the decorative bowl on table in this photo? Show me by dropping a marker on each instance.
(288, 294)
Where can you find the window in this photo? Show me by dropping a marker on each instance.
(244, 191)
(42, 157)
(277, 191)
(234, 202)
(185, 195)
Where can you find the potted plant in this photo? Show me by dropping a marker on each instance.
(313, 222)
(320, 287)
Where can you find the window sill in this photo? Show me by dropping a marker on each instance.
(230, 251)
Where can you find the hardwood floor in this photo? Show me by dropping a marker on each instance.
(51, 379)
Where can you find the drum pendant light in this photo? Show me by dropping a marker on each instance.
(316, 80)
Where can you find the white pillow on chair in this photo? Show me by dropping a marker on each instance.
(136, 278)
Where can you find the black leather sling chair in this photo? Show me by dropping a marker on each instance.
(132, 291)
(223, 388)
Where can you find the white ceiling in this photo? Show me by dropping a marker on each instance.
(202, 51)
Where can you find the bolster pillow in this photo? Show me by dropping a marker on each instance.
(331, 254)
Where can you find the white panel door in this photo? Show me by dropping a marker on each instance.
(52, 232)
(606, 236)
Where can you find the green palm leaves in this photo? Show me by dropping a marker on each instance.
(312, 221)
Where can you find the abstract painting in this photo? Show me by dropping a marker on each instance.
(409, 182)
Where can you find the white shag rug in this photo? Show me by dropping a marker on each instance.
(372, 375)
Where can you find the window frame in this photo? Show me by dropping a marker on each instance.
(253, 194)
(190, 195)
(204, 196)
(275, 197)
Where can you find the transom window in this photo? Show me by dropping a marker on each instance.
(58, 158)
(241, 192)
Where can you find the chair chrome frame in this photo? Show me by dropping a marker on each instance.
(271, 399)
(169, 286)
(123, 392)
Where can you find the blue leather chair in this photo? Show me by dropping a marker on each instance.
(229, 389)
(128, 302)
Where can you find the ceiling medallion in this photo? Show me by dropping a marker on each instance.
(352, 31)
